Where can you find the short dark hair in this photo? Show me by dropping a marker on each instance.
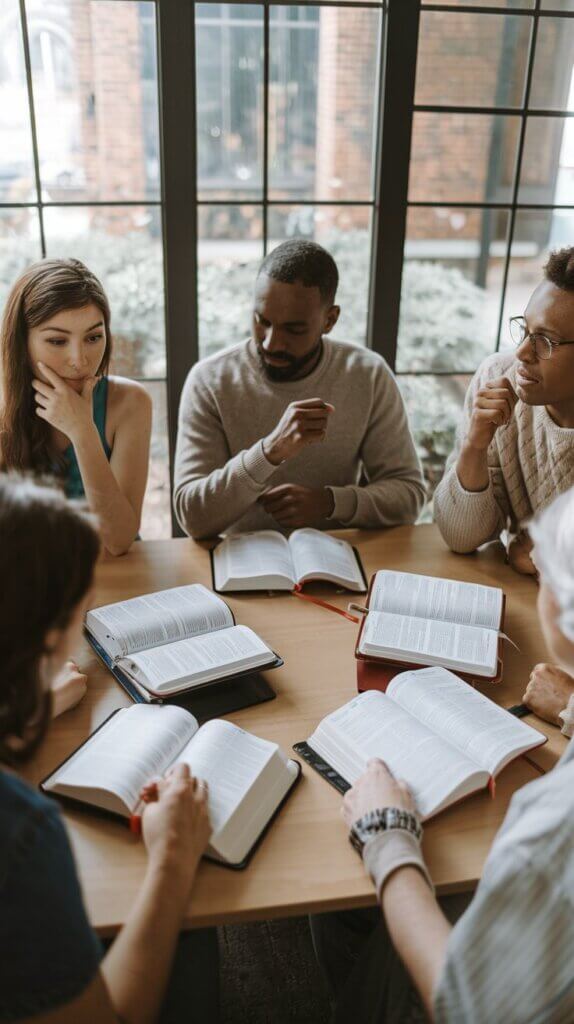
(560, 268)
(48, 550)
(299, 260)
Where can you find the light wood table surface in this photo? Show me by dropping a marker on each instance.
(305, 863)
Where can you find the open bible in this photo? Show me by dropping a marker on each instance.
(426, 620)
(175, 640)
(266, 560)
(445, 739)
(248, 777)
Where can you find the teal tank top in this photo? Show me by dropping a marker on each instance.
(73, 483)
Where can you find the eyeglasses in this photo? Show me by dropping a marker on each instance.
(541, 345)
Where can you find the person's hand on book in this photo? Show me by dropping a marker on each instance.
(294, 506)
(548, 692)
(176, 827)
(376, 789)
(303, 423)
(61, 405)
(68, 688)
(493, 407)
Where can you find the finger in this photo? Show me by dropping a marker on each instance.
(179, 771)
(42, 387)
(89, 385)
(280, 505)
(42, 414)
(277, 491)
(313, 403)
(201, 790)
(495, 403)
(503, 383)
(310, 415)
(52, 377)
(42, 401)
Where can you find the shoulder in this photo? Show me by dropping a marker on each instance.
(499, 364)
(27, 821)
(127, 395)
(358, 360)
(216, 374)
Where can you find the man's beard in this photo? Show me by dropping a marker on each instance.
(293, 365)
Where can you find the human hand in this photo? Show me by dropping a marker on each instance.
(519, 554)
(294, 506)
(301, 424)
(492, 407)
(376, 788)
(68, 688)
(548, 692)
(61, 406)
(176, 827)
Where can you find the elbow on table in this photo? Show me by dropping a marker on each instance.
(194, 520)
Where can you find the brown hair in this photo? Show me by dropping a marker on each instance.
(48, 550)
(44, 289)
(560, 268)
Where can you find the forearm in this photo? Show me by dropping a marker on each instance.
(388, 502)
(118, 521)
(466, 519)
(418, 929)
(209, 503)
(472, 468)
(137, 966)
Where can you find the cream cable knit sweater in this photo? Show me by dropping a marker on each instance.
(530, 462)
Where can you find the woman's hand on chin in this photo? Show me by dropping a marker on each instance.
(60, 405)
(68, 688)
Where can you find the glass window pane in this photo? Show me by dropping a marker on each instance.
(552, 78)
(547, 171)
(19, 245)
(346, 232)
(229, 75)
(536, 232)
(463, 157)
(433, 405)
(17, 181)
(558, 5)
(94, 71)
(322, 99)
(123, 246)
(521, 4)
(156, 512)
(471, 59)
(230, 251)
(451, 289)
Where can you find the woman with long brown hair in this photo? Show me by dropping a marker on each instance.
(52, 966)
(60, 412)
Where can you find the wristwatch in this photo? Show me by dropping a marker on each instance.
(383, 819)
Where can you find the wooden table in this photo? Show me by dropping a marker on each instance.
(305, 862)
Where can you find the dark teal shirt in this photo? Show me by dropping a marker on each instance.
(73, 483)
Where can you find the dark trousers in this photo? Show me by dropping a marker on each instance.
(192, 994)
(367, 981)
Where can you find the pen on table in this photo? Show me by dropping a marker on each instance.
(149, 794)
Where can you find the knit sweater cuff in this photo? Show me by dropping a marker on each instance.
(345, 504)
(256, 465)
(387, 852)
(567, 717)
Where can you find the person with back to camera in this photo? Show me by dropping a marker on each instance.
(515, 450)
(508, 958)
(61, 413)
(52, 970)
(290, 428)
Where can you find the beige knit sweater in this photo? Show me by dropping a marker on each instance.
(530, 461)
(228, 406)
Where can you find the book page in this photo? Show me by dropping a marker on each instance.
(136, 744)
(198, 658)
(403, 638)
(429, 597)
(251, 555)
(482, 730)
(230, 760)
(373, 725)
(318, 555)
(158, 618)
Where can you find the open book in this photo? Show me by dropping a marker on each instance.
(266, 560)
(248, 777)
(175, 640)
(445, 739)
(425, 620)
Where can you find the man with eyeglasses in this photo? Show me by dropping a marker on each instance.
(515, 450)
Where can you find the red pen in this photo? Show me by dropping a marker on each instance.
(148, 795)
